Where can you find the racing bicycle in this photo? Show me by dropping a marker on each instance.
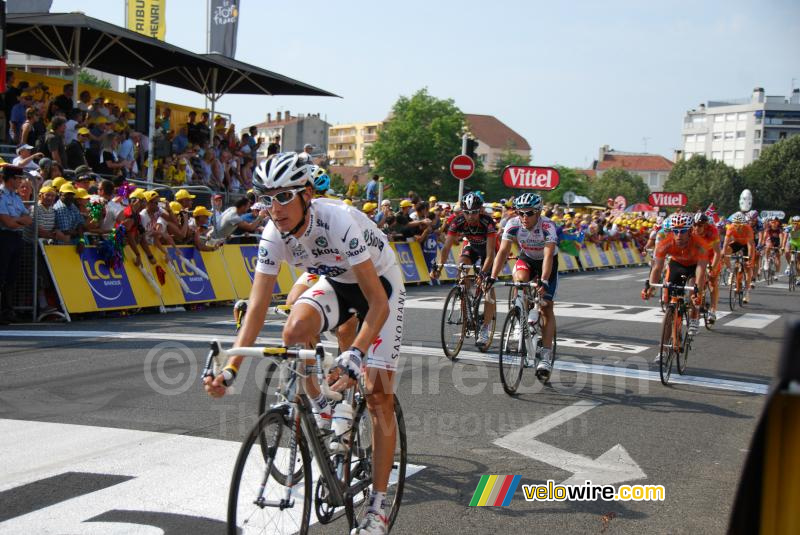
(522, 330)
(271, 487)
(736, 282)
(675, 339)
(463, 311)
(793, 270)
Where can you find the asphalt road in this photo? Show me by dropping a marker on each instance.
(104, 427)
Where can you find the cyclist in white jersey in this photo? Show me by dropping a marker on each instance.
(358, 271)
(538, 255)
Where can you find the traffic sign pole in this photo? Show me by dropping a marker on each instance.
(461, 182)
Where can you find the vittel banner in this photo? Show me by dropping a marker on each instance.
(665, 198)
(527, 177)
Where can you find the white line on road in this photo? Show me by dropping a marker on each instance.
(752, 321)
(475, 356)
(616, 277)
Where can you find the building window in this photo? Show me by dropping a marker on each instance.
(782, 135)
(757, 134)
(719, 118)
(739, 155)
(729, 135)
(690, 138)
(730, 116)
(701, 138)
(742, 116)
(716, 136)
(727, 155)
(716, 155)
(756, 153)
(654, 180)
(740, 134)
(688, 155)
(699, 119)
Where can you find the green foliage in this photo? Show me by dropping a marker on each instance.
(704, 182)
(619, 182)
(337, 183)
(414, 148)
(570, 180)
(774, 178)
(87, 78)
(490, 180)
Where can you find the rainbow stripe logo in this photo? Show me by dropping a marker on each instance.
(495, 491)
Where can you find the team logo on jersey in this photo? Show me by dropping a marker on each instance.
(262, 251)
(321, 242)
(354, 243)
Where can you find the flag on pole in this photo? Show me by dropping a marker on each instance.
(148, 17)
(223, 23)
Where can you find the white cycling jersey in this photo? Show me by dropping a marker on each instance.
(338, 237)
(531, 242)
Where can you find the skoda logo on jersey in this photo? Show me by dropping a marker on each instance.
(262, 251)
(354, 243)
(321, 242)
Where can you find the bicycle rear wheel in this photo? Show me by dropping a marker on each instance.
(257, 502)
(706, 304)
(666, 349)
(682, 356)
(733, 292)
(454, 323)
(358, 466)
(479, 312)
(512, 351)
(792, 275)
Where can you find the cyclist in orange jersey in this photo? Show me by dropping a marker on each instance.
(709, 236)
(689, 259)
(738, 236)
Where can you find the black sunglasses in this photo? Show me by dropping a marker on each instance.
(471, 212)
(528, 213)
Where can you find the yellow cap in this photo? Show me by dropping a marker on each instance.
(369, 206)
(47, 189)
(432, 198)
(83, 131)
(497, 215)
(67, 188)
(201, 210)
(150, 195)
(81, 193)
(176, 207)
(348, 202)
(183, 194)
(59, 181)
(405, 202)
(138, 193)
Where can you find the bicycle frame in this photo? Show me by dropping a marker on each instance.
(521, 302)
(470, 301)
(292, 393)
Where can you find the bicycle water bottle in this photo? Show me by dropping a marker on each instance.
(341, 423)
(533, 316)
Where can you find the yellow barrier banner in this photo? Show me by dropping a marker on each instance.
(626, 252)
(193, 277)
(585, 256)
(412, 263)
(615, 252)
(567, 262)
(600, 256)
(240, 262)
(148, 17)
(87, 284)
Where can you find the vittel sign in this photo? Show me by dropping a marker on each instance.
(527, 177)
(665, 198)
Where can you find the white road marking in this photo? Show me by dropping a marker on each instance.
(476, 356)
(616, 277)
(170, 474)
(752, 321)
(613, 466)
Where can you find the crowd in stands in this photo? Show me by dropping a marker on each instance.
(52, 134)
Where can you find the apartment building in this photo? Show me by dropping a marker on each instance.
(652, 168)
(347, 143)
(294, 131)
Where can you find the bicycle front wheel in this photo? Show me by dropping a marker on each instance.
(706, 305)
(733, 292)
(666, 350)
(258, 502)
(792, 275)
(512, 351)
(454, 323)
(358, 467)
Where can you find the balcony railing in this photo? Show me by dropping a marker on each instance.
(344, 154)
(370, 138)
(342, 139)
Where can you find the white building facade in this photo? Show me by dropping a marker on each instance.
(737, 131)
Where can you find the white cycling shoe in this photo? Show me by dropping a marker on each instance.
(694, 326)
(372, 524)
(544, 367)
(712, 316)
(483, 336)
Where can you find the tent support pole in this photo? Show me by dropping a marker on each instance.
(76, 68)
(151, 134)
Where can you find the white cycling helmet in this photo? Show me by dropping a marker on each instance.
(283, 170)
(739, 218)
(471, 201)
(530, 201)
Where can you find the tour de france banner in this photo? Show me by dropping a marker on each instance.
(194, 277)
(411, 261)
(147, 17)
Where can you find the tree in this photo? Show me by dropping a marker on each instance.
(490, 181)
(619, 182)
(337, 183)
(87, 78)
(414, 148)
(570, 180)
(704, 182)
(774, 178)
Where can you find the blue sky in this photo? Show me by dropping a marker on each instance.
(568, 76)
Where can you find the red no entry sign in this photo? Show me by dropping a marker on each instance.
(462, 167)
